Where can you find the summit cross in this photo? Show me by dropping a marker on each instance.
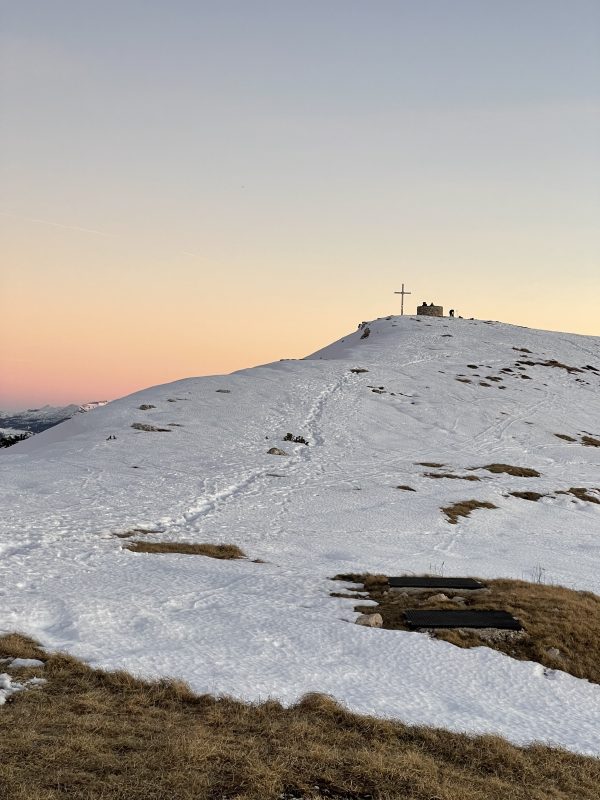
(402, 301)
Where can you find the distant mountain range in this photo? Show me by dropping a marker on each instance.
(36, 420)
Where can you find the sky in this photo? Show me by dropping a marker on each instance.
(189, 188)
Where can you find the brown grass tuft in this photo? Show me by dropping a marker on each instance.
(450, 475)
(463, 509)
(534, 496)
(553, 617)
(142, 426)
(89, 734)
(509, 469)
(565, 437)
(590, 441)
(550, 363)
(406, 488)
(211, 550)
(581, 493)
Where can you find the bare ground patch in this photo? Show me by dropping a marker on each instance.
(533, 496)
(451, 476)
(590, 441)
(561, 626)
(92, 734)
(509, 469)
(212, 550)
(581, 493)
(463, 509)
(550, 363)
(585, 439)
(142, 426)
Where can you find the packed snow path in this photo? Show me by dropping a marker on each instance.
(258, 630)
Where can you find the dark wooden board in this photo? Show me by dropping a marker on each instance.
(416, 582)
(462, 619)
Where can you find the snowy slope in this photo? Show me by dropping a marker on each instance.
(255, 630)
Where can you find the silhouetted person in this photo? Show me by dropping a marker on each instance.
(451, 312)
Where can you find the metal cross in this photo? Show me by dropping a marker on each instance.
(402, 301)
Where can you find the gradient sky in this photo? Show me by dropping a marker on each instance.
(195, 187)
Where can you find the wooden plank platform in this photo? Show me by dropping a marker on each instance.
(462, 619)
(416, 582)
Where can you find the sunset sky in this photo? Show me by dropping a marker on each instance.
(195, 187)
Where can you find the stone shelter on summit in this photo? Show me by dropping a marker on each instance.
(430, 310)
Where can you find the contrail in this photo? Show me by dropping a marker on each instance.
(55, 224)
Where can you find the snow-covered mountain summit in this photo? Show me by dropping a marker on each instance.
(189, 461)
(35, 420)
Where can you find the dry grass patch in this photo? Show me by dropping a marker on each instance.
(92, 734)
(550, 363)
(581, 493)
(406, 488)
(590, 441)
(509, 469)
(463, 509)
(534, 496)
(565, 437)
(142, 426)
(450, 475)
(561, 626)
(212, 550)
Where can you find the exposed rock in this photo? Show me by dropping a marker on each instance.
(554, 652)
(289, 437)
(458, 600)
(146, 407)
(370, 620)
(441, 597)
(366, 333)
(275, 451)
(223, 391)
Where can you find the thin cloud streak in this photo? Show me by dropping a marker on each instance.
(55, 224)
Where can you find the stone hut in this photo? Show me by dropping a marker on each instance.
(430, 310)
